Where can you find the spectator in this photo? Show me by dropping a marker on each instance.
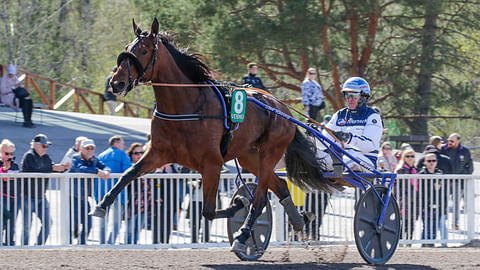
(406, 192)
(139, 199)
(403, 147)
(444, 163)
(14, 95)
(37, 160)
(436, 141)
(430, 189)
(327, 119)
(108, 96)
(75, 149)
(312, 95)
(118, 161)
(11, 190)
(462, 164)
(84, 162)
(386, 161)
(252, 78)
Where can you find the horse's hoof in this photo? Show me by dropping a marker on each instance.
(244, 200)
(98, 211)
(238, 247)
(308, 217)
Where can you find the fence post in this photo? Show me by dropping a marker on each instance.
(278, 220)
(64, 210)
(470, 207)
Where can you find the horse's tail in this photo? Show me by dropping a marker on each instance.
(303, 166)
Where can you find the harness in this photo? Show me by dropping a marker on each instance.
(128, 55)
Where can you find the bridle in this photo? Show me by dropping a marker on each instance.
(129, 55)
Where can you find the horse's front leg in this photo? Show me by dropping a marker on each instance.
(210, 179)
(150, 161)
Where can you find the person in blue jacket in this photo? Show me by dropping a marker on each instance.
(84, 162)
(118, 161)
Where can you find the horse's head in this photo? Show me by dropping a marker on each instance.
(141, 54)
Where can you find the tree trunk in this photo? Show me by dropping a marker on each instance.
(427, 64)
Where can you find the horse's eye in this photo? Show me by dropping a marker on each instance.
(144, 52)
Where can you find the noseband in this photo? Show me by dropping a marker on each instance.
(129, 55)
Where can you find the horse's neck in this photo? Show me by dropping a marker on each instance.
(175, 100)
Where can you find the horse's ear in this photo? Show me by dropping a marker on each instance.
(154, 29)
(136, 29)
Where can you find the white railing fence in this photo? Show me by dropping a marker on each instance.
(165, 210)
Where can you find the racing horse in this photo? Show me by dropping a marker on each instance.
(189, 124)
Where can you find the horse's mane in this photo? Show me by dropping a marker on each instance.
(192, 65)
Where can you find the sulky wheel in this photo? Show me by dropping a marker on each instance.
(376, 244)
(261, 230)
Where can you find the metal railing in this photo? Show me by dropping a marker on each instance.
(165, 210)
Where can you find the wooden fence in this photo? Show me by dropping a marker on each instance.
(78, 94)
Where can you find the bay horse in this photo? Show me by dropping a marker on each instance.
(258, 143)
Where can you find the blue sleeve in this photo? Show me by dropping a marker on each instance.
(102, 166)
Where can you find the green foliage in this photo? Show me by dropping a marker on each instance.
(77, 42)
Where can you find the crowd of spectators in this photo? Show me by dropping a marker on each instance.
(428, 198)
(27, 194)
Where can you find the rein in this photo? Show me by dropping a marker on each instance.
(329, 131)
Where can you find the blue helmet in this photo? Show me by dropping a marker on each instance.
(357, 85)
(360, 86)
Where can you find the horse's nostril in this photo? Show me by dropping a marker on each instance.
(118, 86)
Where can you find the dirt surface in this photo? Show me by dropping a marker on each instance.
(276, 258)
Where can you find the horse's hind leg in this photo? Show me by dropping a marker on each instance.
(146, 164)
(280, 188)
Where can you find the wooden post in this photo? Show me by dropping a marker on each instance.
(125, 109)
(76, 101)
(100, 105)
(27, 82)
(52, 95)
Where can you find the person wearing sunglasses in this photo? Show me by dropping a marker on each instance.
(139, 199)
(38, 161)
(312, 94)
(431, 199)
(406, 192)
(358, 126)
(84, 162)
(11, 190)
(462, 164)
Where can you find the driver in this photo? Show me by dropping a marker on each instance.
(359, 127)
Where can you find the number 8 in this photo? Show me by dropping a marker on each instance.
(238, 102)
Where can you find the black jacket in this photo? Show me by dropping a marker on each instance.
(444, 163)
(254, 81)
(32, 162)
(461, 159)
(431, 196)
(10, 184)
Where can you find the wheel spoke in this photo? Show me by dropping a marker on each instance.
(368, 239)
(369, 221)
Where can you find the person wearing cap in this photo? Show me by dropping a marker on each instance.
(37, 160)
(312, 95)
(9, 85)
(108, 95)
(75, 149)
(84, 162)
(252, 78)
(358, 126)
